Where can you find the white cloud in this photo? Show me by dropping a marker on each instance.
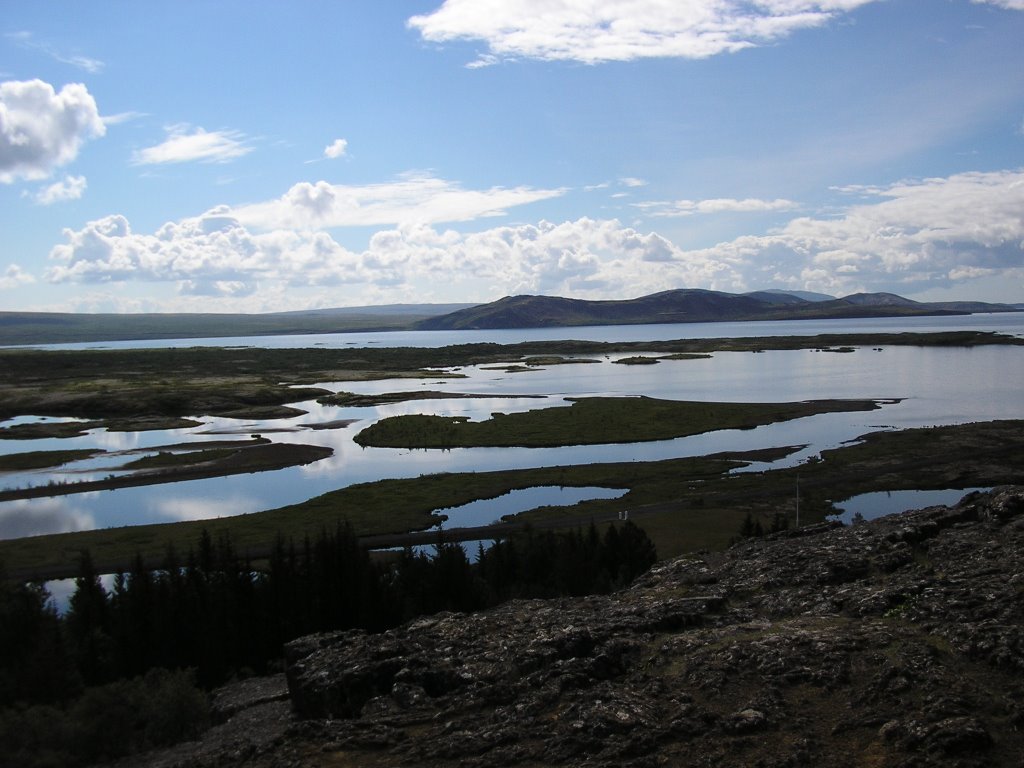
(1011, 5)
(122, 117)
(907, 237)
(25, 40)
(221, 288)
(216, 255)
(336, 149)
(593, 31)
(14, 276)
(911, 235)
(630, 181)
(70, 188)
(719, 205)
(41, 129)
(184, 144)
(413, 198)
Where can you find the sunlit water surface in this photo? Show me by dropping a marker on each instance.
(934, 386)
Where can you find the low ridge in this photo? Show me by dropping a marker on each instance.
(687, 306)
(896, 642)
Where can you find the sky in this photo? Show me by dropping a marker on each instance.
(263, 156)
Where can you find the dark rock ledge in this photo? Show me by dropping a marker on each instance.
(898, 642)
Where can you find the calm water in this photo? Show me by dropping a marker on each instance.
(1000, 322)
(935, 386)
(872, 505)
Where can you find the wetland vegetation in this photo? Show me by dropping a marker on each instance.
(142, 384)
(41, 459)
(682, 503)
(589, 421)
(221, 595)
(191, 462)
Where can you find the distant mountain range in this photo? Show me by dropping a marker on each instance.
(68, 327)
(677, 306)
(691, 305)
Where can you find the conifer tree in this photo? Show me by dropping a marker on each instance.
(87, 623)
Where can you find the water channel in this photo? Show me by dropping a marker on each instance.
(933, 386)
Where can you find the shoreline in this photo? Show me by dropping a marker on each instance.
(262, 457)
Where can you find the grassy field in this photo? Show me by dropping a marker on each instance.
(134, 384)
(256, 455)
(590, 421)
(684, 504)
(42, 459)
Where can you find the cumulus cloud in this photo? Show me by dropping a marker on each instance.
(70, 188)
(593, 31)
(418, 198)
(908, 236)
(217, 255)
(719, 205)
(15, 276)
(42, 129)
(905, 237)
(185, 144)
(336, 149)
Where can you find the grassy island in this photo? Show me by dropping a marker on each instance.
(135, 386)
(590, 421)
(683, 504)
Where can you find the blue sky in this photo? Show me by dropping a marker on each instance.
(261, 156)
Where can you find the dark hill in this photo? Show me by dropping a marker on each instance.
(685, 306)
(679, 306)
(78, 327)
(880, 300)
(807, 295)
(782, 297)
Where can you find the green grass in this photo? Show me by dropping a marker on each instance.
(257, 455)
(684, 504)
(384, 506)
(590, 421)
(352, 399)
(42, 459)
(165, 459)
(545, 360)
(686, 356)
(688, 504)
(196, 381)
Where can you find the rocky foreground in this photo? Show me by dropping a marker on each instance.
(898, 642)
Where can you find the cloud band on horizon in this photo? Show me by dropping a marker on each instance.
(917, 234)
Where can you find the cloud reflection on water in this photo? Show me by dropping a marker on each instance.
(35, 517)
(183, 508)
(940, 386)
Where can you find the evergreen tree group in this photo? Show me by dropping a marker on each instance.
(220, 616)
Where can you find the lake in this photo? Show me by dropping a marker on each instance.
(1010, 323)
(934, 386)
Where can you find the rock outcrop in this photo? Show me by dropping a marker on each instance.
(898, 642)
